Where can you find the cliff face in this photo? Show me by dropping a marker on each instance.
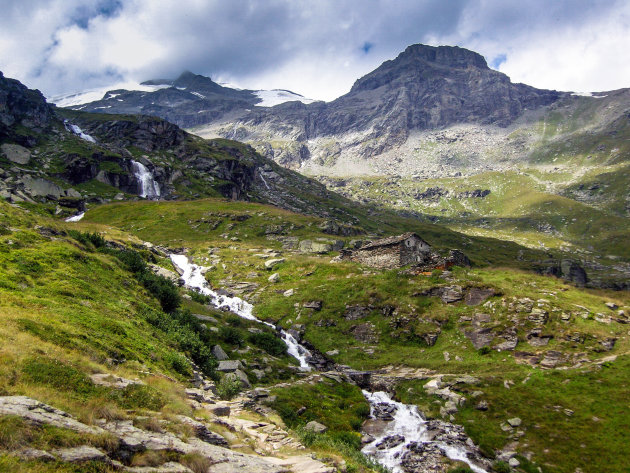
(23, 112)
(424, 88)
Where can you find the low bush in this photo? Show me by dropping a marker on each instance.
(269, 342)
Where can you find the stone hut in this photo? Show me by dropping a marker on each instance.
(393, 252)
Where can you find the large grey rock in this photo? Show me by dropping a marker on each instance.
(39, 413)
(203, 432)
(452, 294)
(242, 377)
(229, 366)
(316, 427)
(28, 454)
(219, 353)
(480, 337)
(81, 454)
(168, 467)
(271, 263)
(16, 153)
(112, 381)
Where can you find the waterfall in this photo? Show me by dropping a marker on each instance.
(78, 131)
(194, 279)
(147, 187)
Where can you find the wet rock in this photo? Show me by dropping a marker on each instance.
(316, 427)
(423, 457)
(390, 442)
(384, 411)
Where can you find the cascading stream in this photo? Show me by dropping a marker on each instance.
(192, 275)
(406, 422)
(147, 186)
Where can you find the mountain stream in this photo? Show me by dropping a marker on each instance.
(406, 426)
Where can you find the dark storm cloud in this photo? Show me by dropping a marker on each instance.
(314, 47)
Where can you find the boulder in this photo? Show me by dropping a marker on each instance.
(85, 453)
(275, 277)
(480, 337)
(476, 295)
(219, 353)
(514, 421)
(315, 305)
(15, 153)
(316, 427)
(29, 454)
(450, 294)
(242, 377)
(229, 366)
(271, 263)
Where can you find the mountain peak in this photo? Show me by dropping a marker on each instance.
(452, 56)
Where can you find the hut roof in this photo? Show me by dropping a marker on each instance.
(393, 240)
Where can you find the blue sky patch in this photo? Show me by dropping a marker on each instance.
(366, 47)
(498, 60)
(105, 8)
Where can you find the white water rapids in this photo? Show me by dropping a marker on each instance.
(147, 186)
(75, 218)
(194, 279)
(78, 131)
(407, 420)
(409, 423)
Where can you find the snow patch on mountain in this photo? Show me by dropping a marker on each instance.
(278, 96)
(93, 95)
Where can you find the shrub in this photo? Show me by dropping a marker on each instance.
(485, 351)
(501, 467)
(200, 298)
(196, 462)
(231, 335)
(58, 375)
(461, 469)
(139, 396)
(269, 342)
(228, 387)
(88, 239)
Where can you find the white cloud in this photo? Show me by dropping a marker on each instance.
(313, 48)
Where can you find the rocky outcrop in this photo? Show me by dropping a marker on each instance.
(21, 106)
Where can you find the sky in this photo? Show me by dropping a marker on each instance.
(317, 48)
